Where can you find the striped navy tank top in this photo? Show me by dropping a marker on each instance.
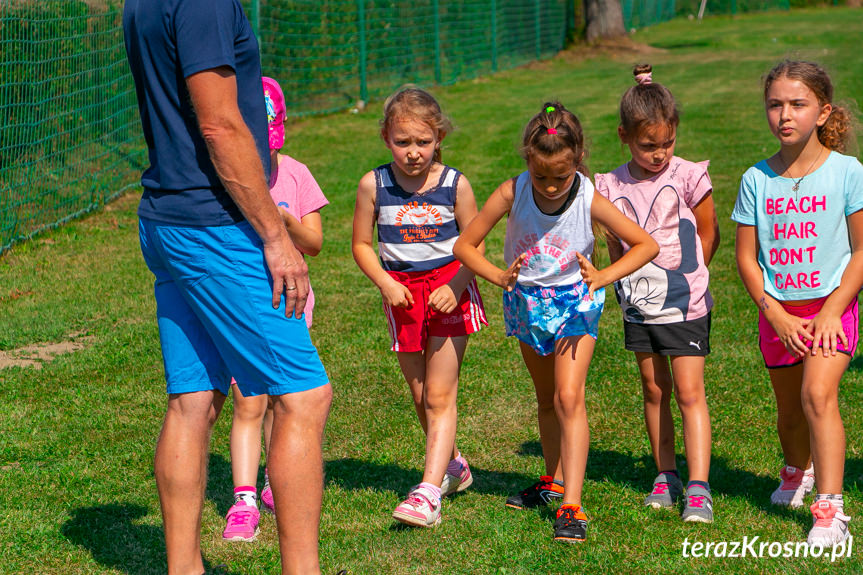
(416, 232)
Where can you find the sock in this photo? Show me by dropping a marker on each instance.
(247, 494)
(703, 484)
(672, 472)
(434, 490)
(834, 498)
(558, 482)
(456, 466)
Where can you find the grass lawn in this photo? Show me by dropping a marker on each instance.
(77, 433)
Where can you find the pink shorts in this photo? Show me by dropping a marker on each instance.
(773, 350)
(411, 327)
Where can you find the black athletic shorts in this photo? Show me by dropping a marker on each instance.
(682, 338)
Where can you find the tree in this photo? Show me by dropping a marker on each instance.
(603, 19)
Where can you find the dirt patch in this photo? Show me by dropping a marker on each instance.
(615, 48)
(34, 355)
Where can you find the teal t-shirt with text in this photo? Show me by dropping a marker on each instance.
(803, 238)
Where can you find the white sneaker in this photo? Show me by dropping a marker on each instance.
(456, 483)
(420, 509)
(795, 484)
(829, 526)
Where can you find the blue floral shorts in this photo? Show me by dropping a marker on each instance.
(539, 316)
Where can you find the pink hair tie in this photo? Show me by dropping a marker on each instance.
(552, 131)
(644, 78)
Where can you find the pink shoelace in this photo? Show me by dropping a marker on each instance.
(660, 489)
(696, 501)
(240, 518)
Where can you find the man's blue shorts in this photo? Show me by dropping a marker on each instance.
(539, 316)
(216, 317)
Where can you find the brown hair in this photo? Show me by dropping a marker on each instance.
(837, 133)
(414, 103)
(553, 130)
(647, 103)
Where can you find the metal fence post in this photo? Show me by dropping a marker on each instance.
(361, 25)
(437, 72)
(494, 35)
(256, 18)
(538, 29)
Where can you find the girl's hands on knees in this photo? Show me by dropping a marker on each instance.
(793, 331)
(827, 332)
(509, 276)
(396, 295)
(443, 299)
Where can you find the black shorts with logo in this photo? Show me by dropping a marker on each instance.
(681, 338)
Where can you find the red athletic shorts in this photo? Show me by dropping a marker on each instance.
(411, 327)
(773, 350)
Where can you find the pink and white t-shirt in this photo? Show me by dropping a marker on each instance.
(674, 286)
(293, 187)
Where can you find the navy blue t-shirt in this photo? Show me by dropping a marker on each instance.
(166, 42)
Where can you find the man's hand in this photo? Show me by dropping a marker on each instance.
(290, 275)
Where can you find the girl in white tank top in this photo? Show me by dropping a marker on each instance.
(553, 294)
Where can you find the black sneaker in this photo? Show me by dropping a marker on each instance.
(540, 493)
(571, 524)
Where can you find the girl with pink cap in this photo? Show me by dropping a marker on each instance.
(299, 199)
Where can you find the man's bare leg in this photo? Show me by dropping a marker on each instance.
(181, 475)
(296, 469)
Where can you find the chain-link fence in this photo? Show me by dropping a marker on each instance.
(69, 136)
(69, 139)
(329, 54)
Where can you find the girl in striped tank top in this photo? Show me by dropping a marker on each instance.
(431, 302)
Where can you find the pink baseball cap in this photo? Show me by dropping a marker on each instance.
(275, 101)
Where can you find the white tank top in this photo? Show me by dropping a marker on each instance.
(550, 241)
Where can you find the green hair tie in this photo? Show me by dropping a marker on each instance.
(549, 110)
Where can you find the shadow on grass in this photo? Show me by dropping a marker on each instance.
(727, 478)
(856, 363)
(114, 539)
(350, 473)
(220, 482)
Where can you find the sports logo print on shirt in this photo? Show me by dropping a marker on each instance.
(418, 222)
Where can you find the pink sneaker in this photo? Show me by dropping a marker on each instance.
(418, 509)
(267, 497)
(794, 485)
(242, 522)
(829, 525)
(267, 500)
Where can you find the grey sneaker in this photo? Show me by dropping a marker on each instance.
(667, 489)
(699, 505)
